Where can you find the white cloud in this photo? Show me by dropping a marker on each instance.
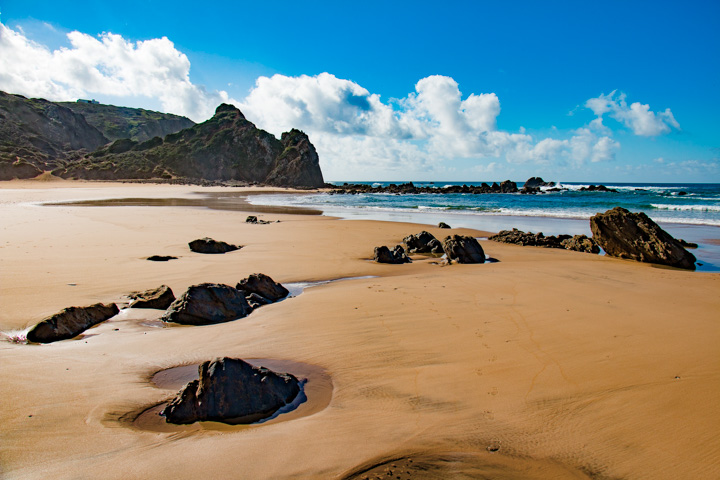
(638, 117)
(107, 65)
(353, 129)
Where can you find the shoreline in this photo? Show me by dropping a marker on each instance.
(546, 364)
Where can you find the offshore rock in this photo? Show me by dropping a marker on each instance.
(463, 249)
(159, 298)
(264, 286)
(635, 236)
(70, 322)
(208, 245)
(423, 242)
(536, 182)
(206, 304)
(395, 256)
(233, 391)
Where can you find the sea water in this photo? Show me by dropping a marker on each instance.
(687, 211)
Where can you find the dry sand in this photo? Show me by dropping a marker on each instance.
(548, 364)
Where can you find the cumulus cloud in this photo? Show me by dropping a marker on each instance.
(638, 117)
(354, 130)
(106, 65)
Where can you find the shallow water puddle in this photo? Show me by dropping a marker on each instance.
(315, 395)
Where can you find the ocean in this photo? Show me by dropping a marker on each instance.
(685, 210)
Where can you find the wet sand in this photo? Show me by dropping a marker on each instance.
(546, 364)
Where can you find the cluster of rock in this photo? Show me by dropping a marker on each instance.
(208, 245)
(255, 221)
(598, 188)
(578, 243)
(457, 248)
(203, 304)
(409, 188)
(619, 233)
(210, 303)
(635, 236)
(231, 390)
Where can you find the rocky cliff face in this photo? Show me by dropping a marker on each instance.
(136, 124)
(225, 147)
(36, 135)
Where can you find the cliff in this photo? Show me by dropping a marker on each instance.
(226, 147)
(123, 122)
(36, 134)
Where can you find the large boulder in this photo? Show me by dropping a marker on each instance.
(208, 245)
(206, 304)
(264, 286)
(635, 236)
(70, 322)
(463, 249)
(423, 242)
(159, 298)
(232, 391)
(395, 256)
(536, 182)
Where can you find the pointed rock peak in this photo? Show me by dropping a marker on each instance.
(293, 137)
(225, 107)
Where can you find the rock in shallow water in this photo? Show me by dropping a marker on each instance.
(233, 391)
(206, 304)
(635, 236)
(262, 285)
(70, 322)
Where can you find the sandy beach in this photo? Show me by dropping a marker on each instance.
(546, 364)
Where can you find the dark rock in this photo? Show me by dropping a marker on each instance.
(598, 188)
(70, 322)
(410, 189)
(298, 164)
(257, 301)
(208, 245)
(681, 193)
(395, 256)
(161, 258)
(264, 286)
(232, 391)
(687, 244)
(443, 225)
(536, 182)
(463, 249)
(254, 220)
(581, 243)
(518, 237)
(423, 242)
(160, 298)
(508, 187)
(635, 236)
(206, 304)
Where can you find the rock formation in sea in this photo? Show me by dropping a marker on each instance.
(411, 189)
(206, 304)
(635, 236)
(233, 391)
(159, 298)
(70, 322)
(463, 249)
(208, 245)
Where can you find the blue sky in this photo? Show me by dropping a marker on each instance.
(573, 91)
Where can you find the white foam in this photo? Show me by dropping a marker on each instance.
(687, 208)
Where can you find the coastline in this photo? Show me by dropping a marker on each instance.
(547, 364)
